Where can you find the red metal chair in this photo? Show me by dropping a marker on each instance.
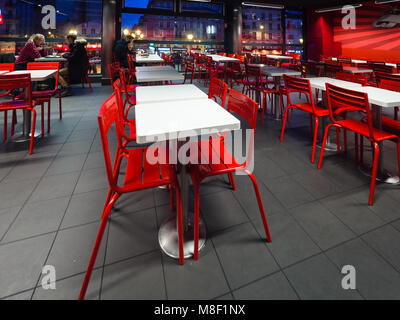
(388, 124)
(380, 76)
(211, 68)
(21, 81)
(8, 67)
(357, 78)
(42, 97)
(299, 85)
(190, 69)
(330, 70)
(235, 73)
(247, 109)
(344, 100)
(218, 90)
(139, 174)
(85, 77)
(131, 69)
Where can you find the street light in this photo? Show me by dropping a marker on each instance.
(138, 32)
(190, 36)
(126, 31)
(73, 31)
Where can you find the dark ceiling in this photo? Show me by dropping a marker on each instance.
(304, 3)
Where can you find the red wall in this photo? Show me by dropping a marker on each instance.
(325, 35)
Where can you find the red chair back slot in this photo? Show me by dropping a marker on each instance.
(7, 67)
(393, 85)
(344, 100)
(379, 76)
(382, 68)
(331, 69)
(113, 69)
(218, 90)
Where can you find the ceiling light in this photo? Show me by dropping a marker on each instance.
(264, 5)
(385, 1)
(337, 8)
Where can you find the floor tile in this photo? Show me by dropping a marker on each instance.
(375, 278)
(22, 263)
(16, 193)
(90, 180)
(66, 164)
(131, 235)
(139, 278)
(243, 255)
(37, 218)
(317, 278)
(26, 295)
(273, 287)
(7, 216)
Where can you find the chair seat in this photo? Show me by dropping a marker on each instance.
(216, 159)
(391, 125)
(10, 105)
(142, 173)
(361, 127)
(320, 112)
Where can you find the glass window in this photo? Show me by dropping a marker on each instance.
(294, 28)
(150, 4)
(259, 30)
(215, 8)
(54, 19)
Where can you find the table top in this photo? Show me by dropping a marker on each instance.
(218, 58)
(152, 94)
(356, 70)
(381, 97)
(50, 59)
(159, 76)
(279, 72)
(278, 57)
(3, 71)
(152, 58)
(36, 75)
(356, 61)
(181, 119)
(154, 68)
(319, 83)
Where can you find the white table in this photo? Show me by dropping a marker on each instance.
(354, 70)
(356, 61)
(51, 59)
(154, 68)
(159, 76)
(179, 120)
(279, 57)
(36, 75)
(218, 58)
(181, 92)
(152, 58)
(4, 71)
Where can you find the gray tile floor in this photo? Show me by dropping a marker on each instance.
(50, 206)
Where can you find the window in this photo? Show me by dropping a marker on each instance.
(294, 31)
(150, 4)
(24, 18)
(214, 8)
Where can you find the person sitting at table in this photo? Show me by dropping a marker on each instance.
(78, 64)
(122, 49)
(32, 50)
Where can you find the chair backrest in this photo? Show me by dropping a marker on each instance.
(357, 78)
(331, 69)
(247, 109)
(254, 73)
(379, 76)
(189, 68)
(382, 68)
(235, 66)
(344, 100)
(393, 85)
(241, 58)
(17, 81)
(108, 116)
(294, 84)
(344, 61)
(218, 90)
(113, 69)
(131, 63)
(376, 62)
(45, 66)
(7, 67)
(223, 54)
(231, 55)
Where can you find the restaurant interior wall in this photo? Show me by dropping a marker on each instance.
(375, 37)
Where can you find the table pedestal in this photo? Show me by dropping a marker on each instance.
(168, 233)
(277, 115)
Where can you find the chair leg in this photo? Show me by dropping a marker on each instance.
(232, 181)
(96, 248)
(42, 120)
(338, 139)
(263, 107)
(33, 130)
(315, 139)
(13, 122)
(374, 172)
(48, 115)
(5, 125)
(260, 204)
(311, 125)
(196, 186)
(345, 140)
(323, 145)
(59, 103)
(361, 149)
(284, 122)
